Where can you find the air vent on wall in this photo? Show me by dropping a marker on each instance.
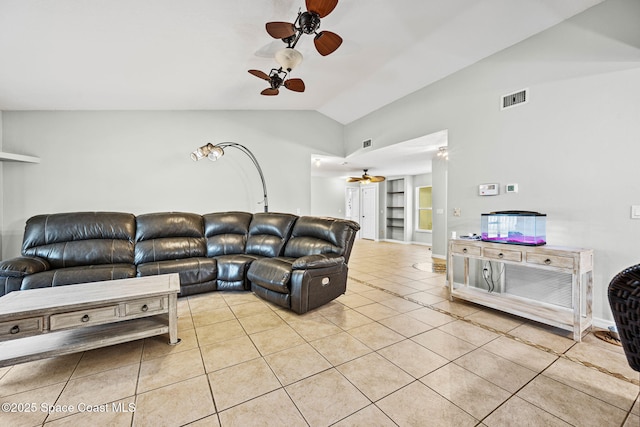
(366, 143)
(514, 99)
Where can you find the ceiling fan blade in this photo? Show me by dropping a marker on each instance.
(321, 7)
(260, 74)
(354, 179)
(270, 92)
(377, 178)
(280, 30)
(327, 42)
(296, 85)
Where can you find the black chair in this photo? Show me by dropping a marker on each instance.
(624, 299)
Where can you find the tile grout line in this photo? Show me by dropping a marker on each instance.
(506, 334)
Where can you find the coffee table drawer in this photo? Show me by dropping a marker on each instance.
(20, 327)
(75, 319)
(146, 306)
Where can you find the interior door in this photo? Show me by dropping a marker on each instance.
(368, 212)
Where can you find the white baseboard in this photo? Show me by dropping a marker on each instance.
(602, 323)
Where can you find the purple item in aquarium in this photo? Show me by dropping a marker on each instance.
(515, 227)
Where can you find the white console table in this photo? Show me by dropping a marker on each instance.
(575, 316)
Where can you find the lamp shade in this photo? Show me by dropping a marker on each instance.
(215, 153)
(288, 58)
(201, 152)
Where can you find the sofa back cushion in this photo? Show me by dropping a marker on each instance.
(226, 232)
(81, 238)
(314, 235)
(169, 236)
(268, 233)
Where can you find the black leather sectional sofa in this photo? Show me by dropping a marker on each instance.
(295, 262)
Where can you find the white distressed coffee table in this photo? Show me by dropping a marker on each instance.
(40, 323)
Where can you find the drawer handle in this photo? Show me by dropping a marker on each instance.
(500, 255)
(14, 330)
(145, 307)
(85, 318)
(464, 251)
(547, 261)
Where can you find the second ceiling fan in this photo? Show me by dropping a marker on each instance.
(276, 79)
(366, 178)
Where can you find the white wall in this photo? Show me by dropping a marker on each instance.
(328, 197)
(1, 190)
(439, 167)
(139, 162)
(573, 149)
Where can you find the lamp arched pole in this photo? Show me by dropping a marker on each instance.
(214, 152)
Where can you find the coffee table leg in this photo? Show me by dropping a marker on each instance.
(173, 319)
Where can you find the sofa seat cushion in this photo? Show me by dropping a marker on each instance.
(75, 275)
(232, 268)
(272, 273)
(191, 270)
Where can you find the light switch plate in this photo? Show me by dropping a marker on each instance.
(635, 212)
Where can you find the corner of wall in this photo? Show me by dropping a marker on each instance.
(1, 190)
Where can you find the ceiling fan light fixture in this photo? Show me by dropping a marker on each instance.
(288, 58)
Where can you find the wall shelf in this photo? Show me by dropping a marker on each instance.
(395, 209)
(10, 157)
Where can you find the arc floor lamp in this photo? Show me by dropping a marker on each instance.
(214, 152)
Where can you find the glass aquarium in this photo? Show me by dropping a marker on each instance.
(515, 227)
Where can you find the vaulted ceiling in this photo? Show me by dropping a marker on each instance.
(194, 54)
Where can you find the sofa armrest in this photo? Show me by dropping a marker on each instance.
(22, 266)
(317, 261)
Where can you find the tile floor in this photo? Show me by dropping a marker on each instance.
(392, 351)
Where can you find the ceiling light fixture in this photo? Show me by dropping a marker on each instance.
(443, 153)
(288, 58)
(214, 152)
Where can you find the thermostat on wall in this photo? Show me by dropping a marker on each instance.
(489, 189)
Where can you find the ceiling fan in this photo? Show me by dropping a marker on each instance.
(276, 79)
(308, 22)
(366, 178)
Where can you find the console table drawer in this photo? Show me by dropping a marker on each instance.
(74, 319)
(466, 250)
(502, 255)
(146, 306)
(550, 260)
(20, 327)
